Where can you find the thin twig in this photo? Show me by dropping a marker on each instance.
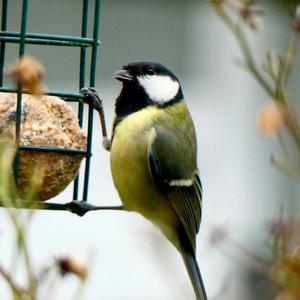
(20, 231)
(290, 55)
(282, 165)
(234, 250)
(16, 288)
(244, 45)
(281, 86)
(278, 92)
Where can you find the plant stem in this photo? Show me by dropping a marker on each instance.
(281, 89)
(20, 231)
(19, 291)
(244, 45)
(290, 56)
(282, 165)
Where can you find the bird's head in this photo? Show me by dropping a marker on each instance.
(148, 83)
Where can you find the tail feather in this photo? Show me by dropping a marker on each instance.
(195, 275)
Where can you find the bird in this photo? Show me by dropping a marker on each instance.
(153, 156)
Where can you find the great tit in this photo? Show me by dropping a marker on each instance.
(154, 157)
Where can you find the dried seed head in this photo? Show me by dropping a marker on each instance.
(248, 11)
(216, 2)
(296, 20)
(296, 254)
(285, 274)
(218, 235)
(286, 296)
(72, 265)
(250, 15)
(271, 119)
(28, 72)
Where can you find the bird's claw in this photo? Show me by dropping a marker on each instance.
(79, 208)
(91, 97)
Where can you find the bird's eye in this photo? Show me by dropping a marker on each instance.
(150, 72)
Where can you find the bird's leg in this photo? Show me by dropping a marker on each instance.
(82, 207)
(92, 98)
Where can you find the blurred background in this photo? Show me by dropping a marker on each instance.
(243, 192)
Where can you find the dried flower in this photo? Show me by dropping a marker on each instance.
(286, 296)
(247, 10)
(296, 21)
(296, 253)
(271, 119)
(216, 2)
(218, 235)
(28, 72)
(286, 274)
(250, 15)
(72, 265)
(285, 268)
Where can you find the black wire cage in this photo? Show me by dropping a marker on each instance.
(88, 50)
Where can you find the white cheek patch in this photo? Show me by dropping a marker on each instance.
(161, 89)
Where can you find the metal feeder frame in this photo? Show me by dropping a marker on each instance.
(77, 205)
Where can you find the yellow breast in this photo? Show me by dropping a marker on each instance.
(129, 160)
(131, 174)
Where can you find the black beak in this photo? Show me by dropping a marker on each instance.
(123, 75)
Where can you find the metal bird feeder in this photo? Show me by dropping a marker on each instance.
(79, 203)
